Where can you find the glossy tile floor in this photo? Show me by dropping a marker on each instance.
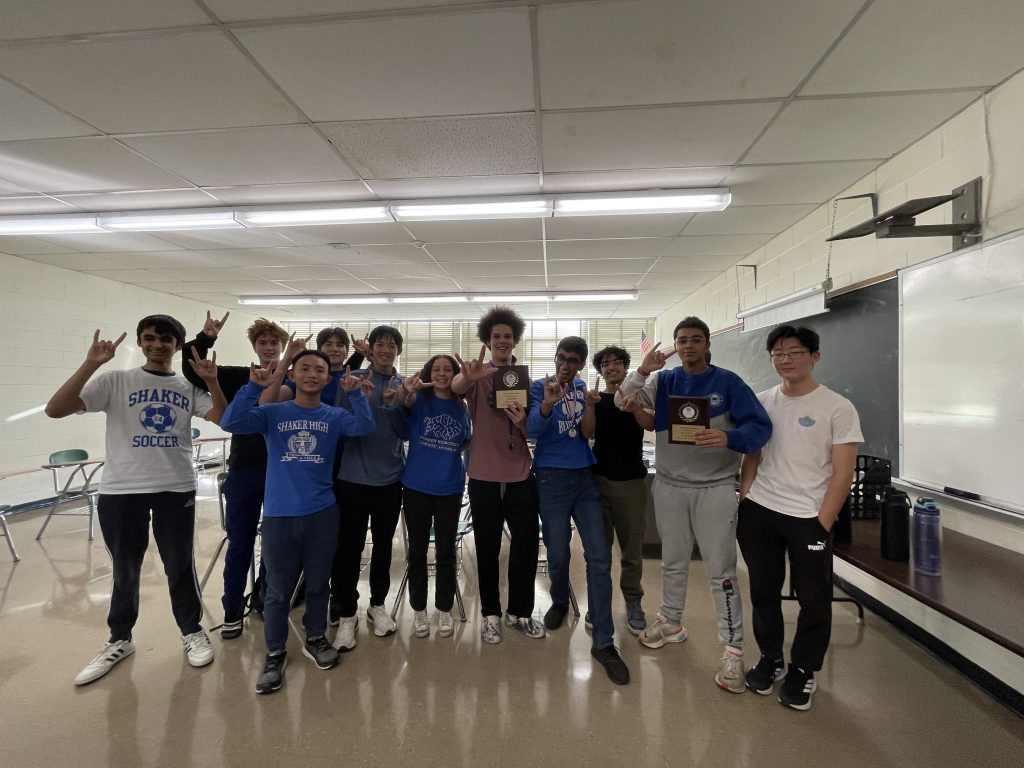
(401, 700)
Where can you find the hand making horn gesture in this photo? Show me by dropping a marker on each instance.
(102, 351)
(553, 391)
(212, 327)
(474, 370)
(262, 376)
(205, 369)
(294, 347)
(390, 392)
(362, 346)
(653, 361)
(593, 396)
(414, 384)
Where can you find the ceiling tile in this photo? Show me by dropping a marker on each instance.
(595, 227)
(414, 285)
(464, 146)
(458, 186)
(718, 245)
(22, 246)
(634, 267)
(340, 284)
(374, 272)
(262, 257)
(289, 273)
(486, 283)
(749, 220)
(275, 155)
(28, 117)
(291, 193)
(142, 200)
(72, 17)
(524, 251)
(560, 282)
(77, 261)
(353, 234)
(960, 45)
(80, 165)
(158, 82)
(637, 179)
(10, 206)
(109, 242)
(226, 238)
(673, 137)
(207, 275)
(415, 66)
(853, 128)
(367, 254)
(162, 259)
(474, 269)
(133, 276)
(800, 183)
(238, 10)
(607, 249)
(707, 266)
(666, 51)
(476, 231)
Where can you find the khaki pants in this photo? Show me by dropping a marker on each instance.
(624, 503)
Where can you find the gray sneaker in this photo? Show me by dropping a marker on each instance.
(732, 676)
(662, 632)
(490, 630)
(526, 625)
(636, 622)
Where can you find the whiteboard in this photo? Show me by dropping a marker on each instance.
(962, 372)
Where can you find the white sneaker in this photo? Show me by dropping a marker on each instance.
(345, 639)
(105, 660)
(421, 624)
(490, 630)
(377, 617)
(732, 676)
(445, 624)
(198, 648)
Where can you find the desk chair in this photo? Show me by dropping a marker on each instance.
(221, 478)
(4, 509)
(464, 527)
(77, 485)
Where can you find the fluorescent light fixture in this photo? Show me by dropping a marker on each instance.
(510, 298)
(803, 303)
(456, 210)
(298, 299)
(351, 300)
(295, 216)
(596, 296)
(49, 225)
(274, 301)
(451, 298)
(653, 201)
(168, 221)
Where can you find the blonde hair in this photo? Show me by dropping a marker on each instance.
(262, 326)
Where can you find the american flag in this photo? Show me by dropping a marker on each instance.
(645, 343)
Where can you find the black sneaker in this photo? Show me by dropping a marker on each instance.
(272, 677)
(608, 657)
(323, 654)
(232, 626)
(555, 616)
(761, 678)
(797, 689)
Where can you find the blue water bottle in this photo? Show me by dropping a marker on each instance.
(927, 538)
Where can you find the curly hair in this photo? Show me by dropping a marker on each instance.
(616, 352)
(500, 315)
(262, 326)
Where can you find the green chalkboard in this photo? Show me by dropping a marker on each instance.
(859, 360)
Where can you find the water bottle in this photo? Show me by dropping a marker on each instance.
(927, 538)
(896, 526)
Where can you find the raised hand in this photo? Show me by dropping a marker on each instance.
(653, 361)
(414, 384)
(350, 383)
(474, 370)
(592, 397)
(630, 404)
(262, 376)
(294, 347)
(362, 346)
(390, 392)
(553, 392)
(206, 369)
(102, 351)
(212, 327)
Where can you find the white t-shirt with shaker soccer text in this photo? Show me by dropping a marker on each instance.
(149, 429)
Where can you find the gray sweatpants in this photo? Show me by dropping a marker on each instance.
(709, 514)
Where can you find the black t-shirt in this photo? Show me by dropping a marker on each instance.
(618, 442)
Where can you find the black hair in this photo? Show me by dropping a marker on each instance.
(803, 334)
(328, 333)
(500, 316)
(692, 322)
(573, 344)
(162, 324)
(618, 352)
(384, 332)
(307, 352)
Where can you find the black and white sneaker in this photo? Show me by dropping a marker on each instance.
(762, 677)
(797, 689)
(272, 677)
(232, 626)
(105, 660)
(322, 653)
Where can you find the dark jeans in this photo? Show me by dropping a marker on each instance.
(442, 512)
(243, 496)
(303, 543)
(493, 506)
(765, 538)
(379, 507)
(124, 522)
(566, 493)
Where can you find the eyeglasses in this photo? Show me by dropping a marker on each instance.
(610, 363)
(572, 362)
(682, 341)
(794, 355)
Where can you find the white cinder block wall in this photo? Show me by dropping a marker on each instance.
(984, 140)
(48, 315)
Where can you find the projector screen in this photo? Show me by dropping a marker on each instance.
(962, 373)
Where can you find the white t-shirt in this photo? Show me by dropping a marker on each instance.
(149, 429)
(796, 464)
